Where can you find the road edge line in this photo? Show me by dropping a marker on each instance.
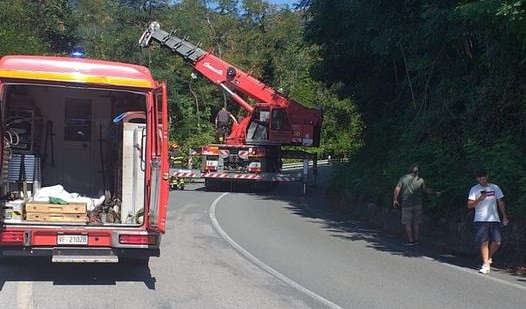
(247, 255)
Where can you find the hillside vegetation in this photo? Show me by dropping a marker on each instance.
(439, 83)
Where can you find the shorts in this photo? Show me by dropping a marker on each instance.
(223, 127)
(412, 215)
(487, 231)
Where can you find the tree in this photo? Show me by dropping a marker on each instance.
(36, 27)
(437, 82)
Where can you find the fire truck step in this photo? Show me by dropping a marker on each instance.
(84, 259)
(83, 255)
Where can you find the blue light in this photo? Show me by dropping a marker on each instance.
(78, 53)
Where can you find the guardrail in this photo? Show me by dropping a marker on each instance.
(291, 166)
(306, 176)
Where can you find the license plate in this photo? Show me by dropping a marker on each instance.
(72, 239)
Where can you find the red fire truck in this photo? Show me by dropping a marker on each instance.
(84, 167)
(252, 152)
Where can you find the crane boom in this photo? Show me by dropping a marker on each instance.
(275, 119)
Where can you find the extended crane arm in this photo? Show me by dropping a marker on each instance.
(275, 119)
(196, 56)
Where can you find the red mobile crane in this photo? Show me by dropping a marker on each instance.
(252, 151)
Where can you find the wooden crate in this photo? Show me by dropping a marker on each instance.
(44, 207)
(53, 217)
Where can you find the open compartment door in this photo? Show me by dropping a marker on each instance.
(159, 163)
(2, 108)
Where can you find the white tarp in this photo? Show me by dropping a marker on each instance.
(58, 191)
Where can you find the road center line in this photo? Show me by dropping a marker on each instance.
(24, 295)
(261, 264)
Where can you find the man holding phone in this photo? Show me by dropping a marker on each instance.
(484, 198)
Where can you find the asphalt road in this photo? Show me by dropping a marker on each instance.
(271, 250)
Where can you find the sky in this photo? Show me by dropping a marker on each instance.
(289, 2)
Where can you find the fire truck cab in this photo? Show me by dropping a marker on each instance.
(84, 159)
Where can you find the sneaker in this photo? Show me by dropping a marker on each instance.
(490, 261)
(485, 269)
(409, 243)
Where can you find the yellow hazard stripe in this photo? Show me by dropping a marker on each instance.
(77, 77)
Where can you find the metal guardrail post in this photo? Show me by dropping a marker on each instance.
(190, 159)
(315, 168)
(305, 175)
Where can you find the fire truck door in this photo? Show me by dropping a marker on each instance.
(159, 164)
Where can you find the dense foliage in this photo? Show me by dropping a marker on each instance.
(263, 39)
(440, 83)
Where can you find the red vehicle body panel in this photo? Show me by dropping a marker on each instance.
(104, 75)
(67, 70)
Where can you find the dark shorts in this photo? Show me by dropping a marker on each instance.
(412, 215)
(223, 128)
(488, 231)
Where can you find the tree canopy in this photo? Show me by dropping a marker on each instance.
(440, 83)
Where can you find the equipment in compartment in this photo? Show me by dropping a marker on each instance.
(133, 166)
(6, 156)
(42, 211)
(24, 126)
(12, 211)
(52, 217)
(48, 143)
(24, 169)
(70, 208)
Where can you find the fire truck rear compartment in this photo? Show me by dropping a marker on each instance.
(78, 142)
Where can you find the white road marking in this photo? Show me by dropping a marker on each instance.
(466, 270)
(475, 273)
(261, 264)
(302, 289)
(24, 295)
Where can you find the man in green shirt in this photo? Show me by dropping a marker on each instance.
(412, 188)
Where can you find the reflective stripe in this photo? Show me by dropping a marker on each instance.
(284, 178)
(247, 176)
(243, 154)
(215, 175)
(77, 77)
(184, 174)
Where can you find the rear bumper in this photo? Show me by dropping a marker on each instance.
(81, 254)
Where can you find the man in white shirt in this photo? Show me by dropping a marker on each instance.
(485, 197)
